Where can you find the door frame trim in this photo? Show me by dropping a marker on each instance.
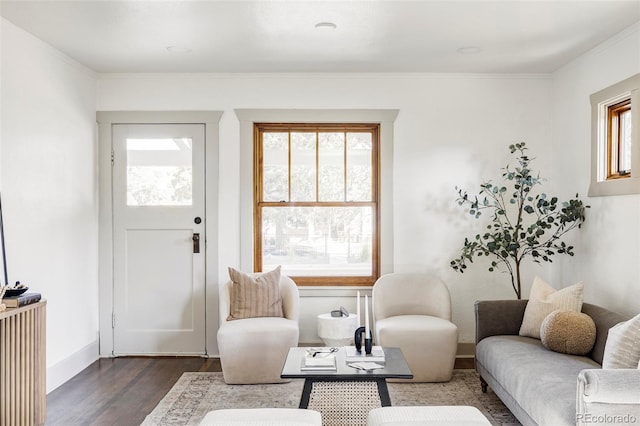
(104, 120)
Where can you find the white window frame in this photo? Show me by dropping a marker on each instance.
(600, 103)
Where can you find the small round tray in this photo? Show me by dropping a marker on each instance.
(15, 292)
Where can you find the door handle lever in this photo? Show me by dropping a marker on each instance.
(196, 242)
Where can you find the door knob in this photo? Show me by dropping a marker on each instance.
(196, 242)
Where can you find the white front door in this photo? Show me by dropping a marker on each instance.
(158, 239)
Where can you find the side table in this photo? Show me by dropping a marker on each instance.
(337, 331)
(23, 387)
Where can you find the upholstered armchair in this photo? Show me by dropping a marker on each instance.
(253, 350)
(413, 312)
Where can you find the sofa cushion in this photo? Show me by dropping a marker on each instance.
(518, 364)
(545, 299)
(254, 296)
(568, 332)
(623, 345)
(604, 319)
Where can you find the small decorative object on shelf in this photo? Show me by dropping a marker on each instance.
(3, 289)
(16, 290)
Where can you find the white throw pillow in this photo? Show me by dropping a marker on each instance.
(545, 299)
(622, 349)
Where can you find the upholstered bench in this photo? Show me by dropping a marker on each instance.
(262, 417)
(458, 415)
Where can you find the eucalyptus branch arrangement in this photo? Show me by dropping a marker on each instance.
(523, 223)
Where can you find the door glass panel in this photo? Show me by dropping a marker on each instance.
(159, 172)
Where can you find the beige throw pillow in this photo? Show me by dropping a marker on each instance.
(545, 299)
(568, 332)
(622, 349)
(254, 296)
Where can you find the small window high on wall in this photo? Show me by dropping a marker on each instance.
(615, 142)
(316, 208)
(619, 140)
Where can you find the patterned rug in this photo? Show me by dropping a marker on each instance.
(195, 394)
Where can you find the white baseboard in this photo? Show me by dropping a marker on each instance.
(64, 370)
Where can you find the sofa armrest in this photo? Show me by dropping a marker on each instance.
(608, 396)
(498, 317)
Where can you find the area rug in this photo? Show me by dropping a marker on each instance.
(195, 394)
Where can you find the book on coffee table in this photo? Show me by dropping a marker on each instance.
(324, 362)
(376, 355)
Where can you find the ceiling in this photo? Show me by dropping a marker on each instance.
(282, 36)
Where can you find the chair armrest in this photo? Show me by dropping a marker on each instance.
(498, 317)
(608, 396)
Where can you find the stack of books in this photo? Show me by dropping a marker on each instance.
(21, 300)
(376, 355)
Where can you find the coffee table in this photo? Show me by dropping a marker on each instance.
(347, 391)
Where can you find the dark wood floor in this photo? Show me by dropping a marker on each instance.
(119, 391)
(122, 391)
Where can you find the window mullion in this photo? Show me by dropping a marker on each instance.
(317, 166)
(344, 167)
(288, 166)
(618, 142)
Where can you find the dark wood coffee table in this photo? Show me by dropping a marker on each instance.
(395, 367)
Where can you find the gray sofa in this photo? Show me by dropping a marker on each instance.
(542, 387)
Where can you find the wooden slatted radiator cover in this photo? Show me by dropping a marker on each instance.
(23, 393)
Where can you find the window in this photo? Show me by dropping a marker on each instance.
(619, 140)
(316, 203)
(615, 151)
(159, 172)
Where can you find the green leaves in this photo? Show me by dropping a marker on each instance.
(525, 224)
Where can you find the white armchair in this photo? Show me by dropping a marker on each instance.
(253, 350)
(413, 312)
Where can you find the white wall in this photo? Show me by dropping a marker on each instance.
(451, 130)
(608, 248)
(49, 196)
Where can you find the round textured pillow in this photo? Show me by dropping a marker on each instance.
(568, 332)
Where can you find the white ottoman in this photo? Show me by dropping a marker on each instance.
(262, 417)
(459, 415)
